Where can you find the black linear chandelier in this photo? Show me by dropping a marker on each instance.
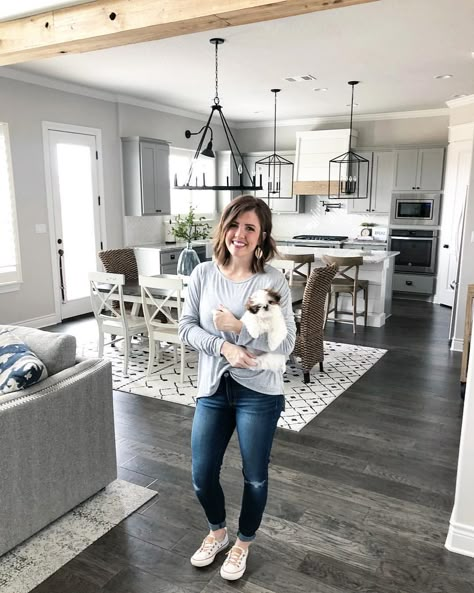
(350, 170)
(246, 181)
(276, 164)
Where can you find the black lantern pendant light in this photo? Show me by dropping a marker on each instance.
(278, 168)
(246, 181)
(350, 170)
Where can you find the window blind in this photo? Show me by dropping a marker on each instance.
(10, 271)
(181, 199)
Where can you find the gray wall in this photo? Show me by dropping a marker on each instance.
(24, 107)
(377, 133)
(138, 121)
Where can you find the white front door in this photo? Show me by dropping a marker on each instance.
(74, 187)
(458, 168)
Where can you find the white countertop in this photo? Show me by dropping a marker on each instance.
(169, 246)
(370, 257)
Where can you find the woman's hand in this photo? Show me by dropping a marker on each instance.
(237, 356)
(225, 321)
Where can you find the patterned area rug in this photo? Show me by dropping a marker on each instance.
(33, 561)
(343, 365)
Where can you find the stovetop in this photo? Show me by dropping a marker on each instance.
(320, 238)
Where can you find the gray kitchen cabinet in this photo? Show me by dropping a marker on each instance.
(413, 283)
(146, 176)
(380, 184)
(418, 169)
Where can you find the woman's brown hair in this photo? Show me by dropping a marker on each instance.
(266, 242)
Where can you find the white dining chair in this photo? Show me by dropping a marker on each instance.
(106, 291)
(162, 303)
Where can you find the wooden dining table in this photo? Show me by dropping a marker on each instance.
(132, 292)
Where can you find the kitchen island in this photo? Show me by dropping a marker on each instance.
(377, 268)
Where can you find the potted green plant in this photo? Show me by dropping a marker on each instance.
(189, 228)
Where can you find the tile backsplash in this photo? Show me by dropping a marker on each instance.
(315, 221)
(151, 229)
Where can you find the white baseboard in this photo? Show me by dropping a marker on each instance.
(460, 539)
(39, 322)
(457, 345)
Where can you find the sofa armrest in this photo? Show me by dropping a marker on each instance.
(58, 448)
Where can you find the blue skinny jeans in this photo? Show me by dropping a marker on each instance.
(255, 415)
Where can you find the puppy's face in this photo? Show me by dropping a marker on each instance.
(261, 302)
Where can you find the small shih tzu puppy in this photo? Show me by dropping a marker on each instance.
(264, 315)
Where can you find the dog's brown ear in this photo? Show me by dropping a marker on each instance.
(250, 306)
(274, 296)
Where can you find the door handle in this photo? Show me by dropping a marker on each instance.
(61, 276)
(445, 246)
(409, 282)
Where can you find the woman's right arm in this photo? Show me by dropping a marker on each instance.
(190, 330)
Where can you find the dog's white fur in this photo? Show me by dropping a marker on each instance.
(264, 316)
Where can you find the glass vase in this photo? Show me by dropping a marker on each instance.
(187, 261)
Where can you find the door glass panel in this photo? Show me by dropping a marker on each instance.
(77, 217)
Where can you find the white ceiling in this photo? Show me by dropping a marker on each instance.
(394, 47)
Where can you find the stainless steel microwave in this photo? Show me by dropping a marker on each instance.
(415, 209)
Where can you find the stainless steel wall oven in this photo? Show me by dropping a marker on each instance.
(417, 249)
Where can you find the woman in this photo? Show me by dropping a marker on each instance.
(232, 394)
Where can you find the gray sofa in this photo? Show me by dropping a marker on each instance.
(57, 442)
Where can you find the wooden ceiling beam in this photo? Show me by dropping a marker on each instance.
(108, 23)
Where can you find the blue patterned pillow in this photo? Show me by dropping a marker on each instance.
(19, 366)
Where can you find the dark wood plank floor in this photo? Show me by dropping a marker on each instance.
(360, 499)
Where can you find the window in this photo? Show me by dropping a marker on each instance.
(10, 270)
(181, 199)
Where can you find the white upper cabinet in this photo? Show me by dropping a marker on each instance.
(418, 169)
(380, 184)
(146, 176)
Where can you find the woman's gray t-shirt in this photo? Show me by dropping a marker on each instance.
(207, 289)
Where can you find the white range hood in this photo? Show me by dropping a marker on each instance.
(314, 150)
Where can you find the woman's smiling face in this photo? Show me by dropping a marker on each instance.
(243, 235)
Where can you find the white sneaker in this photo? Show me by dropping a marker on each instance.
(209, 549)
(235, 564)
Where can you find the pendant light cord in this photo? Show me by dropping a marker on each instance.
(352, 110)
(216, 98)
(275, 124)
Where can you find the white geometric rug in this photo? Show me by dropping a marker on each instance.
(343, 365)
(33, 561)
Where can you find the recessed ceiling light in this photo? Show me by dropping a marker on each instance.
(322, 90)
(442, 76)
